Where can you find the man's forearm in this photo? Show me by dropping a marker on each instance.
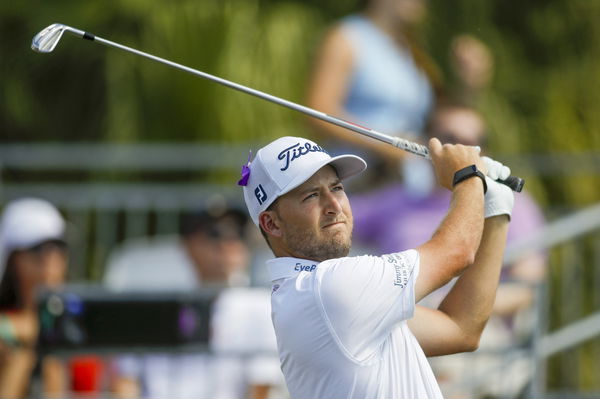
(453, 246)
(471, 300)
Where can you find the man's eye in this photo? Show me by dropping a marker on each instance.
(309, 196)
(338, 188)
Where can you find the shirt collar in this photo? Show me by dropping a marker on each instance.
(289, 267)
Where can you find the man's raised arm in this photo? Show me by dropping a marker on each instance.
(457, 324)
(453, 246)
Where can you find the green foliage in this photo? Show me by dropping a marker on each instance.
(545, 96)
(275, 61)
(242, 41)
(546, 85)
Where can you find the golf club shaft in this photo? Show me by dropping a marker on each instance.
(515, 183)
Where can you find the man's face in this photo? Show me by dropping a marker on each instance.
(44, 265)
(219, 253)
(315, 219)
(458, 126)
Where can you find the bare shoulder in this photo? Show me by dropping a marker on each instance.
(336, 41)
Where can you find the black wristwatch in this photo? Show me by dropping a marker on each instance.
(468, 172)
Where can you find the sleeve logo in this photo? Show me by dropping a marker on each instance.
(401, 267)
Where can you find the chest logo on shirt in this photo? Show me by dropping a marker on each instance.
(304, 268)
(401, 267)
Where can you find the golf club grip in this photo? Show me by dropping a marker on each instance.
(515, 183)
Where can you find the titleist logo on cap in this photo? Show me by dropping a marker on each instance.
(291, 153)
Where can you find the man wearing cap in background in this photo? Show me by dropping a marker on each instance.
(210, 253)
(348, 327)
(33, 255)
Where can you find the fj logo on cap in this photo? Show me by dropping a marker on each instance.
(296, 151)
(260, 194)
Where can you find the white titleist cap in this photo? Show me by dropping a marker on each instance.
(283, 165)
(26, 223)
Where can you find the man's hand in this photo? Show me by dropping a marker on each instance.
(449, 158)
(495, 169)
(499, 199)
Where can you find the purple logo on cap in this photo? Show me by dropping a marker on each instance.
(296, 151)
(245, 172)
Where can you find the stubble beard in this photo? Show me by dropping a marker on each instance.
(306, 244)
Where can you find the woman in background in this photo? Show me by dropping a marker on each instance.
(371, 70)
(33, 255)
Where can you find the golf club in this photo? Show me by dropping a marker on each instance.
(46, 40)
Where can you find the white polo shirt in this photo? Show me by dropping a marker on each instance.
(342, 331)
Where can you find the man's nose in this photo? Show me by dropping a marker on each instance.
(332, 204)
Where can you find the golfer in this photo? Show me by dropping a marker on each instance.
(349, 327)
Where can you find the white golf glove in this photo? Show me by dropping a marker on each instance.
(496, 170)
(499, 199)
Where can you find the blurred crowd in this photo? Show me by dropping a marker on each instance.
(370, 70)
(210, 254)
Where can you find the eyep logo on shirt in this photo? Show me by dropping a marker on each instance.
(304, 268)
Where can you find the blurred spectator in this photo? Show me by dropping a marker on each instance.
(33, 255)
(473, 66)
(397, 216)
(210, 253)
(371, 70)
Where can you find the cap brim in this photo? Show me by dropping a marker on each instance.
(346, 166)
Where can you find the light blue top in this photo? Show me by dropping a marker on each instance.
(387, 91)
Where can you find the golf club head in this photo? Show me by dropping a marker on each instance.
(47, 39)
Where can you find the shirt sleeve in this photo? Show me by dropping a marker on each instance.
(363, 298)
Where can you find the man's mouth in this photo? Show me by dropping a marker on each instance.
(332, 224)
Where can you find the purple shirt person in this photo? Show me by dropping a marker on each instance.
(404, 215)
(393, 219)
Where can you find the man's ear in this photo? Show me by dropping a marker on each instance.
(270, 223)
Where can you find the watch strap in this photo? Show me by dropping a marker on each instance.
(468, 172)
